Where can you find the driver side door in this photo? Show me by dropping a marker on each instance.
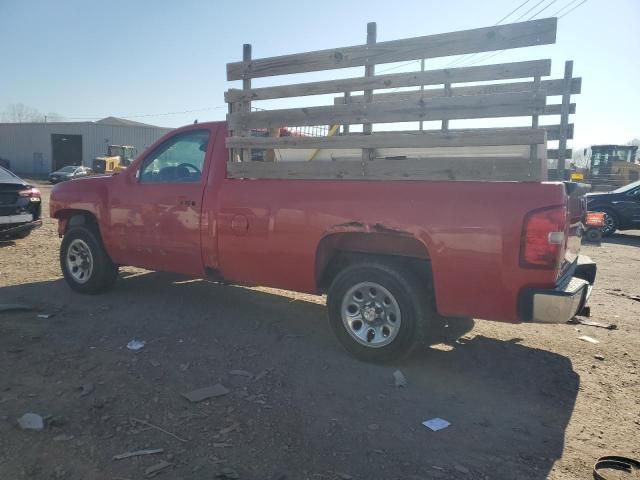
(160, 210)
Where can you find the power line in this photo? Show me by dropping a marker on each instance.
(567, 13)
(525, 13)
(544, 8)
(513, 11)
(530, 18)
(469, 57)
(565, 7)
(397, 66)
(146, 114)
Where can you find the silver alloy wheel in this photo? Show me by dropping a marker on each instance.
(609, 224)
(79, 261)
(371, 314)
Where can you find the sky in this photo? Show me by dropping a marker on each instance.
(146, 60)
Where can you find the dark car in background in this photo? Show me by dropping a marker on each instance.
(69, 173)
(20, 206)
(621, 207)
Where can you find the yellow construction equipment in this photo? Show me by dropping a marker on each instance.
(118, 158)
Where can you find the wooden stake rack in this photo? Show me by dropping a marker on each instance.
(499, 91)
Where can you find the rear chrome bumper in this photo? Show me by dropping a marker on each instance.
(561, 304)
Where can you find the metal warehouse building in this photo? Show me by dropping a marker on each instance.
(39, 148)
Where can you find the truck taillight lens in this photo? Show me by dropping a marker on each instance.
(544, 238)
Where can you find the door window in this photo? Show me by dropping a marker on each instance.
(180, 159)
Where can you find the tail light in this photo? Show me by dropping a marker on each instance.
(594, 219)
(544, 238)
(31, 192)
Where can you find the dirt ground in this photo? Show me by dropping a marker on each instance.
(524, 401)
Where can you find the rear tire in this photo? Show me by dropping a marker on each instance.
(85, 264)
(378, 310)
(610, 222)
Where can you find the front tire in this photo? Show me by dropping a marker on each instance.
(85, 264)
(378, 311)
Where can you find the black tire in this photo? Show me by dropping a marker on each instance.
(611, 221)
(593, 235)
(103, 273)
(410, 295)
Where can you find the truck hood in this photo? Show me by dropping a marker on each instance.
(87, 193)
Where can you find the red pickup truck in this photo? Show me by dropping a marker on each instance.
(391, 255)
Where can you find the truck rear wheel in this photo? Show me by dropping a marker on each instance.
(378, 311)
(85, 264)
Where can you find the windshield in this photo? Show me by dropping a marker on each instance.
(68, 169)
(604, 155)
(6, 173)
(626, 188)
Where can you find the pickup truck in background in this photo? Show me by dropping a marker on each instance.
(389, 254)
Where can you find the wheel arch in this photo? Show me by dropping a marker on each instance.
(338, 250)
(72, 217)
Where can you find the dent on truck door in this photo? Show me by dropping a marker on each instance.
(162, 206)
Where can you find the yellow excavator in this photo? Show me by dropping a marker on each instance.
(118, 158)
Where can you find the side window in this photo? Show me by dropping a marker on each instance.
(178, 160)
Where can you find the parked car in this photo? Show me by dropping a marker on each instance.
(69, 173)
(20, 206)
(621, 207)
(390, 254)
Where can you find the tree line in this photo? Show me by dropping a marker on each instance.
(21, 113)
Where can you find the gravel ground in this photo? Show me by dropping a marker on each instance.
(524, 401)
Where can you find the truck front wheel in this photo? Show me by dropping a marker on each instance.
(85, 264)
(378, 311)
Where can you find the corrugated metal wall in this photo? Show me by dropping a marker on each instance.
(28, 145)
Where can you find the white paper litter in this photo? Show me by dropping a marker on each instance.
(136, 344)
(585, 338)
(436, 424)
(399, 379)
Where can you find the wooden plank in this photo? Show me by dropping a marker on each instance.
(346, 169)
(555, 109)
(553, 131)
(369, 71)
(422, 62)
(443, 168)
(500, 37)
(447, 93)
(502, 71)
(347, 97)
(553, 153)
(469, 169)
(427, 139)
(533, 149)
(548, 87)
(246, 104)
(564, 117)
(459, 107)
